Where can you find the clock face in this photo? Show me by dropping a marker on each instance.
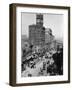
(39, 21)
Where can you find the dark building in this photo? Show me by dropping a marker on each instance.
(37, 32)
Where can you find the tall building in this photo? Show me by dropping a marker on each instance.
(48, 36)
(49, 39)
(37, 32)
(39, 35)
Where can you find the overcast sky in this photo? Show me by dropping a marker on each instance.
(53, 21)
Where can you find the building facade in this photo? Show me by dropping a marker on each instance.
(37, 32)
(49, 37)
(39, 35)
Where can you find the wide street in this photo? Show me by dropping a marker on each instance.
(35, 71)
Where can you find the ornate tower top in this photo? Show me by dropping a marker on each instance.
(39, 19)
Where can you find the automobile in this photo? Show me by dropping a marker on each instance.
(32, 64)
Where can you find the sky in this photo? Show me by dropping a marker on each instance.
(53, 21)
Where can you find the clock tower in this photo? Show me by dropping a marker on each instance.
(39, 19)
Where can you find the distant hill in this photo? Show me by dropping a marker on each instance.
(59, 40)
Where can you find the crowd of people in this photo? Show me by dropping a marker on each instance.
(52, 61)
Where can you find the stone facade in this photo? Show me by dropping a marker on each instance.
(36, 35)
(48, 36)
(37, 32)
